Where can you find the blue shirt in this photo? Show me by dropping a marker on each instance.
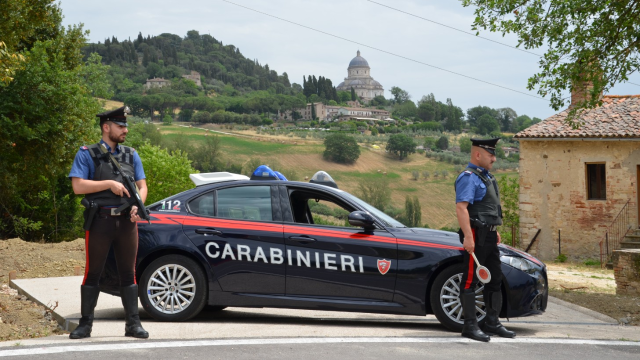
(84, 168)
(469, 186)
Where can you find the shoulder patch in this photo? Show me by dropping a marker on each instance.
(84, 147)
(468, 172)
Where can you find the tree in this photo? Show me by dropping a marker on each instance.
(509, 197)
(487, 124)
(167, 173)
(407, 109)
(313, 111)
(505, 118)
(207, 156)
(400, 95)
(426, 112)
(22, 24)
(429, 143)
(474, 114)
(465, 144)
(588, 41)
(353, 95)
(412, 212)
(375, 191)
(443, 143)
(46, 113)
(401, 145)
(341, 148)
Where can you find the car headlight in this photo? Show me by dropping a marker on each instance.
(518, 263)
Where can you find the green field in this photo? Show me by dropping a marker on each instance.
(304, 157)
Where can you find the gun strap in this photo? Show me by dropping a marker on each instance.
(115, 162)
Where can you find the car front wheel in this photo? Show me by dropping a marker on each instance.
(445, 299)
(173, 288)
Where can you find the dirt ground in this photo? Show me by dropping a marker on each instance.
(587, 286)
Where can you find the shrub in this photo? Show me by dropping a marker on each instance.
(561, 258)
(167, 173)
(341, 148)
(415, 175)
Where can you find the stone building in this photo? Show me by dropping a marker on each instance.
(195, 77)
(578, 180)
(337, 113)
(156, 83)
(359, 78)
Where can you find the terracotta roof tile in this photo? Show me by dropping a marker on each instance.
(617, 117)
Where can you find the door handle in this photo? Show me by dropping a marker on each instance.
(302, 238)
(208, 231)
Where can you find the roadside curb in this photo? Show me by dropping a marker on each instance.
(65, 324)
(595, 314)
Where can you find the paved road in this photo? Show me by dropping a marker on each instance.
(564, 331)
(339, 348)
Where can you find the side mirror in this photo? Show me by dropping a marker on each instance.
(362, 219)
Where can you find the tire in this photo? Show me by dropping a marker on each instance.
(173, 288)
(445, 299)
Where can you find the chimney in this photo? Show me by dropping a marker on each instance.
(582, 88)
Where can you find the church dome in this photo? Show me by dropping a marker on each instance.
(358, 61)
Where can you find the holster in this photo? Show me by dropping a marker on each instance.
(481, 229)
(91, 208)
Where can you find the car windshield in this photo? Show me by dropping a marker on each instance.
(384, 218)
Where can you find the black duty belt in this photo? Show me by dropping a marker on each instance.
(493, 227)
(111, 211)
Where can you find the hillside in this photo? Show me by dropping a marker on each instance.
(303, 157)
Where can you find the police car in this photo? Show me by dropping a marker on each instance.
(265, 242)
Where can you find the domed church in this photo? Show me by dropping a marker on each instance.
(360, 80)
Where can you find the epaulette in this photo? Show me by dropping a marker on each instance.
(467, 172)
(84, 147)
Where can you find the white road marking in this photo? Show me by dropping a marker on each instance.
(295, 341)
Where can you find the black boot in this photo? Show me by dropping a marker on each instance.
(492, 325)
(88, 301)
(471, 329)
(129, 295)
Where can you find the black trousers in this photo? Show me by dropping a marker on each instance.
(107, 231)
(489, 256)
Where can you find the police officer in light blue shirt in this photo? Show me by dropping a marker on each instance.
(95, 176)
(479, 214)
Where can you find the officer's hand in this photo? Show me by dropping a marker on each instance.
(499, 238)
(468, 244)
(119, 189)
(134, 214)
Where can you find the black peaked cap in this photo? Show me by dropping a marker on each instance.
(487, 144)
(118, 116)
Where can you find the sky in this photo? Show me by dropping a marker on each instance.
(404, 51)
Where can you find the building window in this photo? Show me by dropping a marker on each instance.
(596, 182)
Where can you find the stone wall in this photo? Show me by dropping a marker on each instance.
(626, 268)
(553, 193)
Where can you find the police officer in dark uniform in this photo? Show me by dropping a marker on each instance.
(93, 175)
(479, 214)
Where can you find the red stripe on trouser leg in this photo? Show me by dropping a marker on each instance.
(135, 281)
(467, 285)
(86, 250)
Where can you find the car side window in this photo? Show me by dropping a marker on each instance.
(320, 209)
(245, 203)
(203, 204)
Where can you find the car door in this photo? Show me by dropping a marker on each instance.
(239, 231)
(328, 258)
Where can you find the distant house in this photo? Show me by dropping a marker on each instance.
(577, 181)
(195, 77)
(510, 150)
(156, 83)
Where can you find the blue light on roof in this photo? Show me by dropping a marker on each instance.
(263, 172)
(280, 176)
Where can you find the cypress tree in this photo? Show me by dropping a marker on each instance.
(353, 94)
